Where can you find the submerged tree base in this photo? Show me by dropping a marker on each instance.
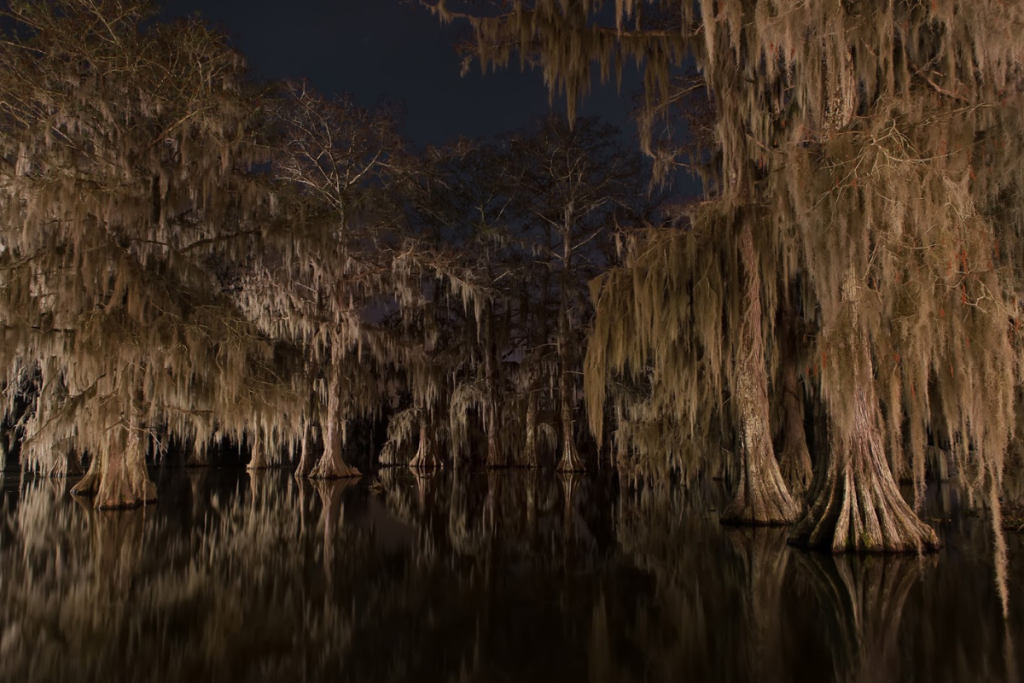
(860, 509)
(426, 452)
(115, 495)
(333, 468)
(765, 503)
(571, 460)
(425, 460)
(761, 497)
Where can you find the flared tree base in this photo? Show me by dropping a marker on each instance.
(333, 468)
(571, 460)
(761, 499)
(425, 459)
(115, 493)
(763, 504)
(863, 513)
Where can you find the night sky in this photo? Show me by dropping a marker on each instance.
(396, 51)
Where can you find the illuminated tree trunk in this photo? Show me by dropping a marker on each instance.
(761, 496)
(258, 456)
(332, 463)
(855, 503)
(426, 451)
(117, 475)
(306, 458)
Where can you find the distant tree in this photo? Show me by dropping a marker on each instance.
(528, 219)
(333, 258)
(581, 186)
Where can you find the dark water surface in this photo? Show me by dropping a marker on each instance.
(477, 576)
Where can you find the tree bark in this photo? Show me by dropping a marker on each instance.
(258, 454)
(761, 495)
(305, 465)
(117, 475)
(332, 463)
(426, 451)
(570, 462)
(855, 503)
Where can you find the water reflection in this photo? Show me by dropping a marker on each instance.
(475, 576)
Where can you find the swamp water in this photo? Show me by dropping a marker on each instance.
(477, 576)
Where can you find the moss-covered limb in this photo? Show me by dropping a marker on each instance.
(855, 503)
(761, 495)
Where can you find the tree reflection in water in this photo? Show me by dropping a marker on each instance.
(476, 576)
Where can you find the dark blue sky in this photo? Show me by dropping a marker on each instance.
(393, 50)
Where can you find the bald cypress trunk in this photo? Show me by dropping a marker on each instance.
(258, 454)
(117, 476)
(855, 502)
(571, 461)
(306, 458)
(426, 451)
(332, 463)
(761, 495)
